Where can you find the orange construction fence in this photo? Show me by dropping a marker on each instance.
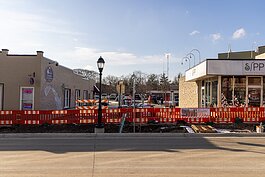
(137, 115)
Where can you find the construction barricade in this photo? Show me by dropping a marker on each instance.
(7, 118)
(252, 114)
(134, 115)
(167, 115)
(195, 115)
(223, 115)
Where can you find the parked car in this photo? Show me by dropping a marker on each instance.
(104, 96)
(144, 105)
(112, 96)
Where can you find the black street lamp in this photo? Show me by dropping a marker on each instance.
(100, 126)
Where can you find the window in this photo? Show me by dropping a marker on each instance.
(26, 98)
(240, 92)
(254, 81)
(254, 91)
(226, 91)
(263, 91)
(209, 93)
(254, 97)
(67, 98)
(214, 93)
(85, 95)
(1, 96)
(77, 94)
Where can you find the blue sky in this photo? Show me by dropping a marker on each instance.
(130, 34)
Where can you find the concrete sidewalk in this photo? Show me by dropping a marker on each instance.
(132, 155)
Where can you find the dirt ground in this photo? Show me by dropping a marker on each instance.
(113, 128)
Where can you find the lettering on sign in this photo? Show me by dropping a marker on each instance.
(193, 72)
(254, 66)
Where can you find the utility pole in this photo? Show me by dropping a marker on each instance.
(167, 57)
(133, 103)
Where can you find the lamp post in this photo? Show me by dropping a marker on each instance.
(198, 53)
(191, 54)
(100, 126)
(187, 58)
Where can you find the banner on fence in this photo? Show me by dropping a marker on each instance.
(195, 112)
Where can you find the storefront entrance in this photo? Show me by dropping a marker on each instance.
(1, 96)
(209, 93)
(254, 91)
(254, 98)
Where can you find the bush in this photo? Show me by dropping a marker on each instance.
(238, 120)
(181, 122)
(210, 123)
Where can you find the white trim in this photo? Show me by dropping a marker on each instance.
(33, 97)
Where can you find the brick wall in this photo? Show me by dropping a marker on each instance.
(188, 94)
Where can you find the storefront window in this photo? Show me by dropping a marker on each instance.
(263, 91)
(254, 80)
(240, 92)
(254, 91)
(254, 96)
(227, 91)
(208, 93)
(214, 93)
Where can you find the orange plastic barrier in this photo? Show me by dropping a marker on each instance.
(138, 115)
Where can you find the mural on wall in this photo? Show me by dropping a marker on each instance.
(57, 98)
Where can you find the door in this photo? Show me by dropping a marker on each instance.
(254, 97)
(1, 96)
(254, 91)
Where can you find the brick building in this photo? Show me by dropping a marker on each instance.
(235, 79)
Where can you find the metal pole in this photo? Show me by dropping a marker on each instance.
(99, 104)
(120, 95)
(189, 54)
(198, 53)
(168, 66)
(133, 104)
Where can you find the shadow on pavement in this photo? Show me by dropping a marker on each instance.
(76, 143)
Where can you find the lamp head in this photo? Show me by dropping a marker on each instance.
(100, 64)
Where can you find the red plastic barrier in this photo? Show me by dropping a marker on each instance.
(138, 115)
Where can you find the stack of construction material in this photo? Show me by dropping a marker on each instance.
(203, 129)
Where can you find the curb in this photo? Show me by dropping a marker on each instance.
(106, 135)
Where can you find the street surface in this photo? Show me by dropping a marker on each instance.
(118, 155)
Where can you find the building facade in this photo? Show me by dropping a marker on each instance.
(34, 82)
(228, 81)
